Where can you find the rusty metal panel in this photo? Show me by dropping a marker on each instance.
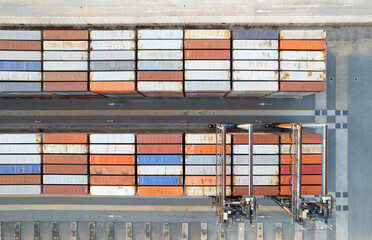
(207, 34)
(160, 44)
(65, 55)
(20, 45)
(112, 149)
(65, 34)
(302, 76)
(256, 65)
(306, 149)
(17, 148)
(65, 148)
(204, 138)
(160, 55)
(303, 34)
(112, 34)
(20, 138)
(207, 64)
(159, 86)
(255, 55)
(159, 170)
(255, 44)
(303, 55)
(65, 45)
(112, 45)
(255, 76)
(204, 191)
(302, 66)
(160, 34)
(112, 138)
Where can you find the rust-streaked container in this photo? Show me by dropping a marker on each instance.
(154, 138)
(65, 138)
(305, 180)
(258, 138)
(159, 75)
(257, 190)
(113, 87)
(20, 45)
(65, 76)
(315, 45)
(112, 170)
(65, 169)
(65, 86)
(204, 180)
(65, 159)
(306, 138)
(306, 190)
(160, 149)
(66, 189)
(204, 149)
(65, 35)
(113, 180)
(207, 54)
(19, 179)
(159, 191)
(306, 169)
(306, 159)
(207, 44)
(302, 87)
(112, 159)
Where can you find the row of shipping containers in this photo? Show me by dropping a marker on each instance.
(162, 63)
(149, 164)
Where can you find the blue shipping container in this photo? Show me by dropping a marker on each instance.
(160, 180)
(20, 66)
(159, 159)
(20, 169)
(256, 34)
(204, 159)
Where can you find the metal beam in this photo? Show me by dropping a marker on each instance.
(325, 160)
(185, 231)
(55, 231)
(110, 230)
(203, 231)
(74, 235)
(165, 231)
(129, 231)
(17, 231)
(250, 132)
(260, 231)
(278, 231)
(92, 230)
(36, 230)
(147, 231)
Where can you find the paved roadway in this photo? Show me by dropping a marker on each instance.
(184, 12)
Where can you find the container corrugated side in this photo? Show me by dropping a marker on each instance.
(255, 55)
(20, 159)
(66, 189)
(65, 159)
(159, 170)
(65, 56)
(204, 191)
(20, 55)
(160, 55)
(257, 159)
(303, 34)
(255, 75)
(20, 179)
(65, 45)
(257, 149)
(112, 170)
(204, 138)
(65, 66)
(207, 75)
(112, 45)
(20, 169)
(161, 138)
(112, 159)
(106, 180)
(159, 75)
(20, 66)
(160, 190)
(160, 44)
(207, 86)
(65, 179)
(20, 138)
(20, 189)
(20, 148)
(255, 34)
(111, 149)
(204, 170)
(112, 65)
(257, 180)
(204, 159)
(207, 34)
(160, 34)
(252, 86)
(65, 148)
(20, 76)
(302, 66)
(303, 55)
(255, 44)
(160, 180)
(112, 76)
(20, 45)
(257, 170)
(159, 65)
(159, 86)
(112, 190)
(306, 148)
(24, 87)
(65, 76)
(65, 34)
(256, 65)
(112, 55)
(302, 76)
(20, 35)
(159, 159)
(204, 180)
(207, 64)
(112, 34)
(112, 138)
(65, 138)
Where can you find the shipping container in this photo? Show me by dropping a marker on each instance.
(306, 169)
(207, 54)
(112, 138)
(257, 190)
(302, 76)
(20, 66)
(65, 56)
(112, 34)
(205, 170)
(65, 159)
(112, 180)
(207, 64)
(204, 149)
(302, 87)
(161, 138)
(159, 65)
(255, 34)
(20, 55)
(65, 138)
(306, 149)
(20, 34)
(20, 45)
(20, 169)
(24, 87)
(65, 87)
(65, 169)
(66, 189)
(207, 86)
(204, 159)
(255, 75)
(160, 191)
(258, 138)
(20, 138)
(20, 149)
(112, 65)
(251, 86)
(112, 159)
(65, 45)
(306, 190)
(65, 76)
(112, 170)
(255, 55)
(255, 44)
(159, 86)
(204, 180)
(160, 34)
(306, 159)
(257, 159)
(303, 55)
(159, 170)
(111, 149)
(65, 179)
(207, 75)
(112, 190)
(306, 138)
(19, 179)
(159, 180)
(112, 76)
(20, 76)
(65, 148)
(160, 44)
(257, 170)
(112, 55)
(302, 66)
(65, 34)
(159, 75)
(113, 87)
(204, 138)
(159, 159)
(305, 179)
(257, 180)
(206, 34)
(20, 189)
(256, 65)
(20, 159)
(207, 44)
(304, 45)
(160, 55)
(257, 149)
(65, 66)
(112, 45)
(303, 34)
(204, 191)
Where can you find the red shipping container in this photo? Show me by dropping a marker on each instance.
(257, 190)
(306, 169)
(207, 54)
(305, 180)
(19, 179)
(306, 159)
(65, 76)
(159, 191)
(65, 169)
(112, 159)
(65, 35)
(306, 190)
(66, 189)
(65, 159)
(65, 138)
(159, 75)
(258, 138)
(205, 149)
(113, 180)
(160, 149)
(154, 138)
(112, 170)
(306, 138)
(207, 44)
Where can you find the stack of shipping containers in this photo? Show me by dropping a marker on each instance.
(207, 63)
(255, 63)
(265, 164)
(112, 62)
(20, 160)
(160, 63)
(65, 62)
(65, 165)
(302, 62)
(20, 62)
(112, 164)
(160, 164)
(200, 164)
(311, 164)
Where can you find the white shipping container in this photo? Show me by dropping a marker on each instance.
(303, 55)
(65, 179)
(20, 138)
(204, 191)
(112, 45)
(252, 86)
(207, 86)
(65, 65)
(204, 138)
(257, 170)
(65, 45)
(205, 170)
(207, 75)
(20, 148)
(160, 44)
(204, 159)
(257, 180)
(255, 55)
(160, 55)
(160, 170)
(159, 65)
(112, 34)
(302, 66)
(257, 159)
(255, 75)
(65, 55)
(112, 138)
(302, 76)
(303, 34)
(256, 65)
(65, 148)
(255, 44)
(207, 34)
(207, 64)
(112, 76)
(20, 76)
(151, 86)
(20, 189)
(112, 190)
(160, 34)
(20, 55)
(113, 55)
(306, 149)
(111, 149)
(20, 159)
(20, 35)
(257, 149)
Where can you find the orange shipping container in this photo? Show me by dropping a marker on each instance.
(159, 75)
(65, 76)
(113, 87)
(159, 191)
(153, 138)
(20, 45)
(65, 35)
(306, 190)
(112, 159)
(20, 179)
(204, 180)
(302, 87)
(160, 149)
(207, 54)
(65, 159)
(306, 45)
(306, 159)
(113, 180)
(305, 180)
(306, 138)
(65, 169)
(65, 86)
(65, 138)
(258, 138)
(66, 189)
(207, 44)
(205, 149)
(257, 190)
(112, 170)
